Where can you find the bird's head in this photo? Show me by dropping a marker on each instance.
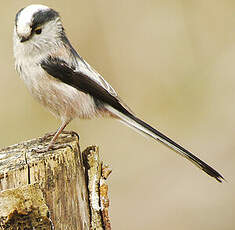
(37, 28)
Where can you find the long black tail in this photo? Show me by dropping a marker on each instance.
(134, 122)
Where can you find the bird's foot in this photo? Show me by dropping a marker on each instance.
(52, 134)
(47, 136)
(50, 148)
(72, 133)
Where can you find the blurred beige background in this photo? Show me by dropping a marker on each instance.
(173, 62)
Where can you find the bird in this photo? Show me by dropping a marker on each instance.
(62, 81)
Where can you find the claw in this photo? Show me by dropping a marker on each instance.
(72, 133)
(46, 136)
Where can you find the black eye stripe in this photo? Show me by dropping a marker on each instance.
(43, 16)
(39, 19)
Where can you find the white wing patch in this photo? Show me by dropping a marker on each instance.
(85, 68)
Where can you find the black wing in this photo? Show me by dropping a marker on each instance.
(67, 74)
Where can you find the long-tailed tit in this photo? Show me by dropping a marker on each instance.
(61, 80)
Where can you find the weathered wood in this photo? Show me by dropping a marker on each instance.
(58, 189)
(106, 170)
(97, 188)
(59, 174)
(24, 208)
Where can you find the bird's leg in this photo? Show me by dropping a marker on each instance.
(52, 142)
(58, 132)
(52, 134)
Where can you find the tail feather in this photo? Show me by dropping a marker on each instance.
(139, 125)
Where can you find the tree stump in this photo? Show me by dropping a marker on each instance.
(57, 189)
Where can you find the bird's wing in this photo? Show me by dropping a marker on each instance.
(68, 74)
(82, 66)
(79, 80)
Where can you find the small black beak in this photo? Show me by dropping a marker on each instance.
(24, 39)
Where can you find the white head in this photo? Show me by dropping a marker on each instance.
(37, 28)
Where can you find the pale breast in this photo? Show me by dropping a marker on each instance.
(61, 99)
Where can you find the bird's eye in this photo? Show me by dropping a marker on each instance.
(38, 30)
